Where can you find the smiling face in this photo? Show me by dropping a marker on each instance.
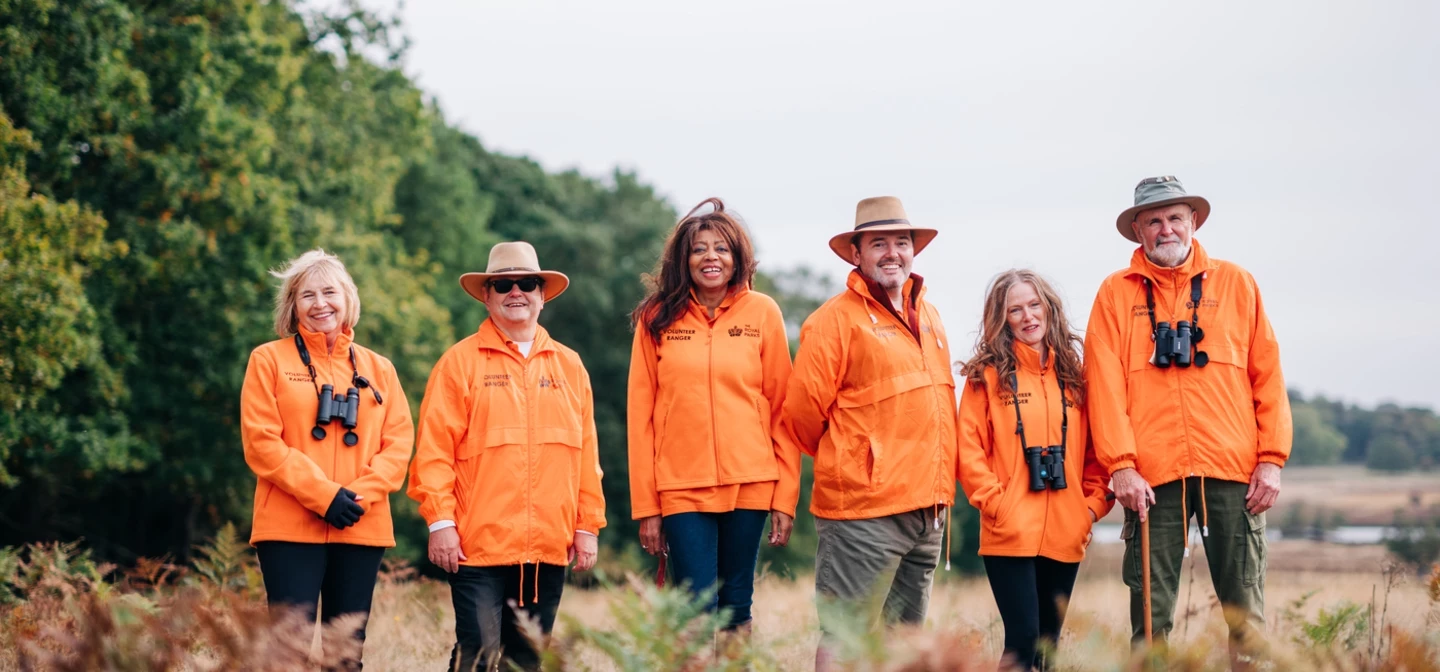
(712, 264)
(1025, 314)
(885, 257)
(516, 309)
(320, 304)
(1165, 233)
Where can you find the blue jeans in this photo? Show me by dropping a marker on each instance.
(710, 547)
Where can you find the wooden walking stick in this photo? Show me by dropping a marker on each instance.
(1145, 575)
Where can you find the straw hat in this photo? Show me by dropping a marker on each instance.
(513, 260)
(882, 213)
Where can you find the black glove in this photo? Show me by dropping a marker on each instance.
(343, 511)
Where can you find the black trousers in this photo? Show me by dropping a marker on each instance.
(340, 577)
(1032, 594)
(485, 627)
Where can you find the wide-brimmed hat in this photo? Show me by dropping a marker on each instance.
(1158, 192)
(513, 260)
(882, 213)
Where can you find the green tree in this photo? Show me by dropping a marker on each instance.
(49, 336)
(1390, 452)
(1315, 441)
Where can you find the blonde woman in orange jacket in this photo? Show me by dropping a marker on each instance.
(707, 381)
(1026, 461)
(327, 431)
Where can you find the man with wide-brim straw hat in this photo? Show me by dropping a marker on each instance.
(872, 399)
(507, 466)
(1188, 411)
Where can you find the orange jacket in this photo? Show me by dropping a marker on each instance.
(1218, 421)
(874, 407)
(1014, 520)
(298, 476)
(703, 407)
(507, 449)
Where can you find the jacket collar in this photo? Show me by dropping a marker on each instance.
(914, 289)
(1027, 358)
(730, 299)
(315, 342)
(1198, 262)
(491, 338)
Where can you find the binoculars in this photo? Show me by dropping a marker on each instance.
(1047, 467)
(345, 409)
(1173, 346)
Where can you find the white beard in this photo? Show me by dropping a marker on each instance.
(1169, 255)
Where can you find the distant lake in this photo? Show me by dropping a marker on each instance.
(1109, 533)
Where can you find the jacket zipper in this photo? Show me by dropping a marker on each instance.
(1179, 288)
(333, 436)
(710, 376)
(529, 447)
(1045, 398)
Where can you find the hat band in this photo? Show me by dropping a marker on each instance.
(513, 269)
(881, 222)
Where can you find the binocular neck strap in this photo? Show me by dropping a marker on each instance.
(305, 357)
(355, 377)
(1015, 399)
(1197, 290)
(1020, 424)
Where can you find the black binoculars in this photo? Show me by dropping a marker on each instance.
(1047, 467)
(346, 409)
(1173, 346)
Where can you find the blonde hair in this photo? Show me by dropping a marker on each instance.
(300, 269)
(995, 344)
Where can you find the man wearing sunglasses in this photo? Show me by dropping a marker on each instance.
(1188, 411)
(507, 469)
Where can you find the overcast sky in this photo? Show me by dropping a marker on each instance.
(1018, 130)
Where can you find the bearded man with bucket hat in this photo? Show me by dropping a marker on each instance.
(507, 469)
(872, 400)
(1189, 413)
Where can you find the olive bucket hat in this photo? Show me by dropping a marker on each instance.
(1158, 192)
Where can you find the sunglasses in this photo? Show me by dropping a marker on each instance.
(504, 285)
(1157, 180)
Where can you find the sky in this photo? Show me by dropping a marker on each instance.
(1018, 130)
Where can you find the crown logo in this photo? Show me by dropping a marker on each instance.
(735, 332)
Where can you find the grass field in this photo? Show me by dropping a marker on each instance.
(211, 617)
(412, 625)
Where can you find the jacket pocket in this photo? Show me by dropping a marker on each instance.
(862, 463)
(265, 499)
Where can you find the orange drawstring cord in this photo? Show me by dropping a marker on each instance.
(522, 584)
(1185, 516)
(1204, 511)
(536, 598)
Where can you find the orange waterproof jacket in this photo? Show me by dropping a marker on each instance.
(507, 449)
(704, 405)
(297, 475)
(874, 405)
(1218, 421)
(1014, 520)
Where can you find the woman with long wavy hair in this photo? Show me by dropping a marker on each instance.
(1026, 461)
(707, 381)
